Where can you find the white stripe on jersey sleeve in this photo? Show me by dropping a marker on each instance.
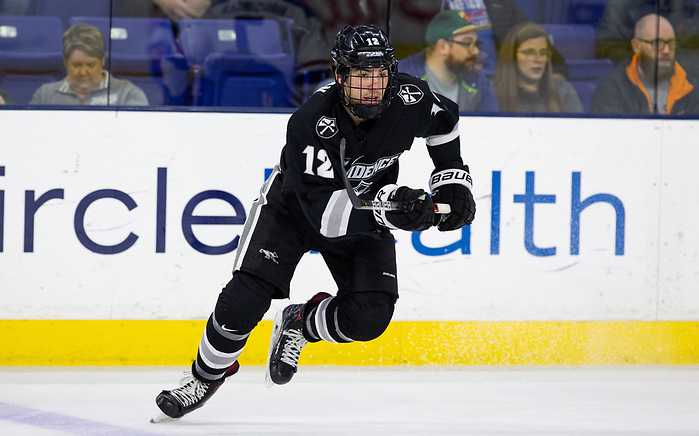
(443, 139)
(336, 216)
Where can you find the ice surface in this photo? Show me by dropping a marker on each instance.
(368, 401)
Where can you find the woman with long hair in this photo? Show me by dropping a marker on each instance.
(524, 80)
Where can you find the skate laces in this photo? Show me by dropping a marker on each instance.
(293, 346)
(191, 391)
(188, 377)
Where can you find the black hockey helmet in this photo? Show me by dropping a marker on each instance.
(360, 47)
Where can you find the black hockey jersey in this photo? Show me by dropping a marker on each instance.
(310, 159)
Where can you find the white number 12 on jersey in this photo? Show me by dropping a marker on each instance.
(325, 169)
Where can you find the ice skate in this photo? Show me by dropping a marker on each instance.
(193, 393)
(288, 341)
(286, 345)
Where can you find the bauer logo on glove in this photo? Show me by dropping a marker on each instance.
(451, 184)
(451, 176)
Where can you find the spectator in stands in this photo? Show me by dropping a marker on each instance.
(524, 79)
(653, 82)
(87, 83)
(503, 15)
(448, 62)
(616, 28)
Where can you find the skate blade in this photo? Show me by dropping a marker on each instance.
(161, 417)
(276, 331)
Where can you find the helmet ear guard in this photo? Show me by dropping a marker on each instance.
(364, 47)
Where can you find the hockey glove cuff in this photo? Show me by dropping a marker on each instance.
(452, 184)
(419, 212)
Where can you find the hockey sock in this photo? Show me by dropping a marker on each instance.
(240, 306)
(353, 317)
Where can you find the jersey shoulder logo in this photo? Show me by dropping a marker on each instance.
(410, 94)
(326, 127)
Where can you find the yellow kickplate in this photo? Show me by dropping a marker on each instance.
(140, 342)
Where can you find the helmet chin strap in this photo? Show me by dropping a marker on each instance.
(361, 111)
(366, 111)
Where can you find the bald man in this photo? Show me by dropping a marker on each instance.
(616, 27)
(653, 82)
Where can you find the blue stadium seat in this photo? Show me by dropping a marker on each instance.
(573, 41)
(30, 54)
(144, 51)
(241, 62)
(534, 9)
(65, 9)
(556, 11)
(586, 11)
(585, 75)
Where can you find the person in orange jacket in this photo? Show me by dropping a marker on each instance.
(653, 82)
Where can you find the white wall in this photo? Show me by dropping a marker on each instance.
(644, 167)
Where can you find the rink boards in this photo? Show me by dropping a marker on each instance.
(414, 343)
(118, 229)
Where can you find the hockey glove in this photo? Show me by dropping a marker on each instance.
(451, 183)
(419, 212)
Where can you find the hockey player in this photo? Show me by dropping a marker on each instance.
(303, 206)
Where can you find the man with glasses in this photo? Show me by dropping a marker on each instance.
(616, 28)
(448, 64)
(653, 82)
